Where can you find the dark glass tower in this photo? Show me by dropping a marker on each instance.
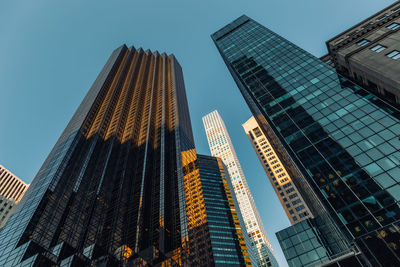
(112, 190)
(221, 242)
(340, 142)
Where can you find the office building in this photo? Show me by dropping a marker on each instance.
(12, 189)
(369, 53)
(338, 142)
(307, 244)
(117, 186)
(225, 243)
(292, 201)
(221, 146)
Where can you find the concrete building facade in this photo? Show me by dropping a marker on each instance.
(369, 53)
(292, 201)
(12, 189)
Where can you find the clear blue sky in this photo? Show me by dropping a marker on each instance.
(52, 51)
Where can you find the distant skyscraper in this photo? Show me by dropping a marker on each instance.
(120, 185)
(12, 189)
(339, 143)
(292, 201)
(221, 146)
(224, 245)
(369, 53)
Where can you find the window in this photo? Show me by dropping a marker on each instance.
(394, 54)
(302, 215)
(297, 201)
(393, 26)
(257, 132)
(381, 18)
(299, 208)
(378, 48)
(287, 185)
(363, 42)
(290, 190)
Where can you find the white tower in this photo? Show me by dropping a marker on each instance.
(221, 146)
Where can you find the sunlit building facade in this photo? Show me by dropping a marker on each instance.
(120, 187)
(221, 146)
(12, 189)
(292, 201)
(338, 141)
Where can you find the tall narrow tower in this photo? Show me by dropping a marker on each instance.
(292, 201)
(339, 143)
(221, 146)
(112, 189)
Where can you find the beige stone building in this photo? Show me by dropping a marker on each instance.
(12, 189)
(290, 198)
(369, 53)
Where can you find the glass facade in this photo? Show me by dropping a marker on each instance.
(301, 245)
(112, 191)
(305, 244)
(342, 139)
(228, 246)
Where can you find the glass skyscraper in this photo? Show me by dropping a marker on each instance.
(340, 142)
(226, 245)
(220, 144)
(120, 186)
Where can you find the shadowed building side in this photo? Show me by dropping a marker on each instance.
(112, 189)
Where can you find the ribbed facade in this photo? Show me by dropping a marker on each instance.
(112, 190)
(220, 144)
(12, 189)
(292, 201)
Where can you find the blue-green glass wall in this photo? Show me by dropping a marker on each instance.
(224, 237)
(343, 139)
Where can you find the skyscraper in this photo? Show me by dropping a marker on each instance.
(369, 53)
(225, 244)
(221, 146)
(12, 189)
(292, 201)
(119, 186)
(340, 142)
